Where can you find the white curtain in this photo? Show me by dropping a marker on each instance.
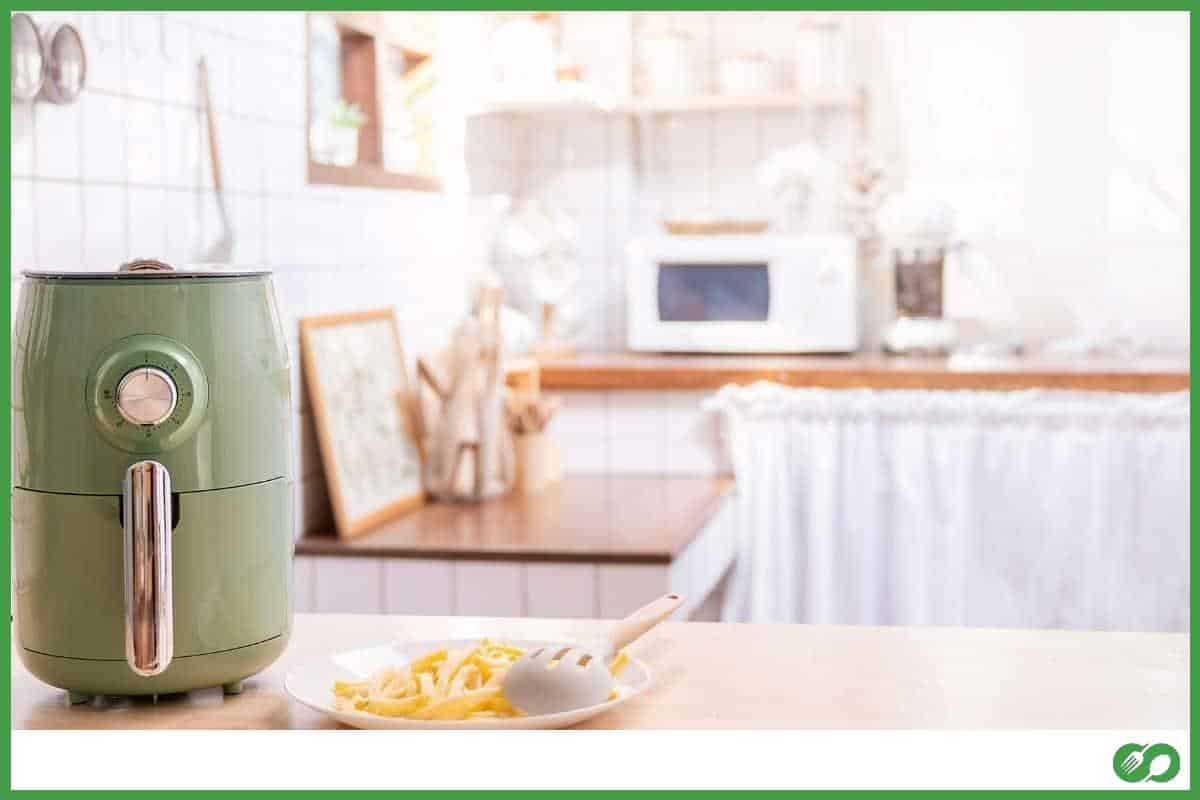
(1007, 509)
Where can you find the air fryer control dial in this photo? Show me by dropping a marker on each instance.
(146, 396)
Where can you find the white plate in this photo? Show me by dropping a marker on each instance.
(312, 685)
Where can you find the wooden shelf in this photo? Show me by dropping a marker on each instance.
(545, 105)
(768, 102)
(630, 519)
(584, 103)
(628, 371)
(371, 176)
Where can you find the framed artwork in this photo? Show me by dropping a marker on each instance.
(354, 367)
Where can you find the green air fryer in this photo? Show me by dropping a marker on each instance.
(152, 511)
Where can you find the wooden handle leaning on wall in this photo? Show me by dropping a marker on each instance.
(210, 118)
(645, 618)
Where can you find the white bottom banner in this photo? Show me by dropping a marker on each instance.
(346, 759)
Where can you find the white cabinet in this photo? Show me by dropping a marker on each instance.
(417, 586)
(488, 589)
(345, 585)
(560, 590)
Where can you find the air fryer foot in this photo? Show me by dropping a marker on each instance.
(78, 698)
(234, 687)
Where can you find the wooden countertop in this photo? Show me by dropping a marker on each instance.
(714, 675)
(872, 371)
(602, 518)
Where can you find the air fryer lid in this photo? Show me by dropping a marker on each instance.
(141, 268)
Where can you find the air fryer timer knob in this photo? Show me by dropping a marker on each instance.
(146, 396)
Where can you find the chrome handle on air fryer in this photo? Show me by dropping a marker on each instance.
(149, 608)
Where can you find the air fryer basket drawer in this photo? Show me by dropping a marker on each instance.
(231, 570)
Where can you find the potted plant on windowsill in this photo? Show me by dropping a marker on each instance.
(334, 136)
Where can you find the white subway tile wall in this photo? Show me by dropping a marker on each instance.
(640, 432)
(125, 172)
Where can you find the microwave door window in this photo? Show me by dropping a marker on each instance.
(713, 292)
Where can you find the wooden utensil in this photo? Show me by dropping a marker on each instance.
(469, 456)
(528, 412)
(221, 251)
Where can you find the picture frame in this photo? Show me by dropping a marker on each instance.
(370, 448)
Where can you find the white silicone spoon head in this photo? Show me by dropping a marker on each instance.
(556, 679)
(563, 678)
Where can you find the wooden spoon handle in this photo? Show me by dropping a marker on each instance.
(644, 619)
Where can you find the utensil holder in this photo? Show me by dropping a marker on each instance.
(538, 462)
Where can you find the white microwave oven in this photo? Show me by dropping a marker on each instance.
(742, 294)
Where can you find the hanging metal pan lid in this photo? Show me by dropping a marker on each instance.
(141, 268)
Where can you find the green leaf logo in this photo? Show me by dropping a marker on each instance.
(1135, 763)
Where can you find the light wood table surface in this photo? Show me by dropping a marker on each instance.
(714, 675)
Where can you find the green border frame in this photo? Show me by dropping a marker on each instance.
(499, 5)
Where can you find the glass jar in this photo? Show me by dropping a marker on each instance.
(920, 327)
